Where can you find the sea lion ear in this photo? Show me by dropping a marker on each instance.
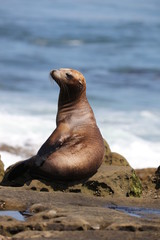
(69, 76)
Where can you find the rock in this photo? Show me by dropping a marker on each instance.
(112, 158)
(107, 152)
(38, 207)
(69, 216)
(89, 235)
(1, 169)
(115, 179)
(116, 159)
(146, 175)
(150, 180)
(25, 152)
(4, 238)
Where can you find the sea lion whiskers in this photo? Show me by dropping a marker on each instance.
(51, 79)
(61, 84)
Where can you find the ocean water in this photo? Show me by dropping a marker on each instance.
(115, 44)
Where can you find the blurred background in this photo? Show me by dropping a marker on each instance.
(115, 44)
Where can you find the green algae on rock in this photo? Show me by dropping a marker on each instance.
(134, 185)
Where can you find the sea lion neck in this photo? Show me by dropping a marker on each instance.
(69, 108)
(68, 97)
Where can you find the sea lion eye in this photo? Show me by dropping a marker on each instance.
(80, 84)
(69, 76)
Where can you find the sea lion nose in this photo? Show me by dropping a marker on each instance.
(52, 72)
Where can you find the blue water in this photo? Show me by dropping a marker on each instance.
(138, 212)
(115, 44)
(14, 214)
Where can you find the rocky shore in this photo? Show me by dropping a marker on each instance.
(118, 202)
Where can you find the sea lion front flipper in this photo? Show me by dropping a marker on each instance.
(40, 159)
(54, 142)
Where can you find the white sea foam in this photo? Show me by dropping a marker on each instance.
(9, 159)
(20, 130)
(139, 153)
(135, 135)
(127, 133)
(74, 42)
(27, 132)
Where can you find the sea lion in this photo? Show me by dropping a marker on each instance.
(75, 149)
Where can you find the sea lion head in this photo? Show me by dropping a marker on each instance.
(70, 78)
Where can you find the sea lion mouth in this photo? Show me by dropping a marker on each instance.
(52, 73)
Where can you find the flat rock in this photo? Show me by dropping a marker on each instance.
(57, 215)
(25, 152)
(89, 235)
